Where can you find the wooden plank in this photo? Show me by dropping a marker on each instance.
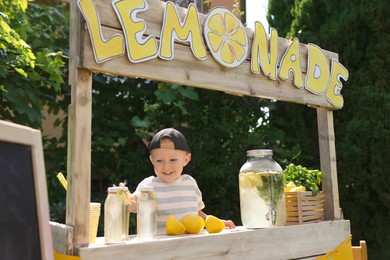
(326, 140)
(299, 241)
(312, 208)
(75, 41)
(360, 252)
(79, 135)
(311, 216)
(79, 160)
(187, 70)
(153, 18)
(307, 204)
(41, 195)
(62, 238)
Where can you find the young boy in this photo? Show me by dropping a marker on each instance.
(177, 194)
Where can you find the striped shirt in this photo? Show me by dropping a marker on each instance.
(178, 198)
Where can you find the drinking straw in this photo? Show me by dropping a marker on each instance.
(63, 181)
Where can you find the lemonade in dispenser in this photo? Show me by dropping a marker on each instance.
(262, 198)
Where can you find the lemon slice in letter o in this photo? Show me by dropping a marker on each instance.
(226, 37)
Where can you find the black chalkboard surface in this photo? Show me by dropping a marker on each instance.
(18, 216)
(24, 223)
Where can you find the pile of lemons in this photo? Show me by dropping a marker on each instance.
(193, 224)
(291, 187)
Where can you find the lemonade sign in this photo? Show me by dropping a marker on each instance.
(223, 36)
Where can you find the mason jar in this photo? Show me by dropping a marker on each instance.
(116, 217)
(147, 214)
(262, 198)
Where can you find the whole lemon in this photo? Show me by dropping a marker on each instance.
(193, 223)
(298, 189)
(214, 224)
(173, 226)
(289, 186)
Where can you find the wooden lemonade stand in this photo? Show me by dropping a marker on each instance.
(134, 39)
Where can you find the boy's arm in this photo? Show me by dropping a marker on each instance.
(202, 214)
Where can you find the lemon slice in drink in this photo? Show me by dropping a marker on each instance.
(123, 196)
(255, 179)
(244, 181)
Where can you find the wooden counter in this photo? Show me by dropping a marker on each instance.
(304, 241)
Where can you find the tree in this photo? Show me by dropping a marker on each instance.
(358, 31)
(33, 48)
(29, 76)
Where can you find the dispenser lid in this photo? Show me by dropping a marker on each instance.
(260, 152)
(116, 188)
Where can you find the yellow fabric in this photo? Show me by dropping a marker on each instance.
(58, 256)
(342, 252)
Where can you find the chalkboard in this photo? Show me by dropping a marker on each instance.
(24, 215)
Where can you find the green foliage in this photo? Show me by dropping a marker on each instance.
(33, 42)
(15, 53)
(301, 176)
(358, 32)
(219, 128)
(279, 15)
(15, 9)
(30, 74)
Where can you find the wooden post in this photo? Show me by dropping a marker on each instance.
(326, 140)
(79, 136)
(79, 157)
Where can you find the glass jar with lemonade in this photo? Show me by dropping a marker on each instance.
(262, 198)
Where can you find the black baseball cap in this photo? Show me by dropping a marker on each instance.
(177, 138)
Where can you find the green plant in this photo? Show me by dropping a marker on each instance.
(310, 179)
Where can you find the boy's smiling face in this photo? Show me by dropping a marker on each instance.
(168, 162)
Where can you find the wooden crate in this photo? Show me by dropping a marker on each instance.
(303, 207)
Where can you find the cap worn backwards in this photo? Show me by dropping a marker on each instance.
(178, 139)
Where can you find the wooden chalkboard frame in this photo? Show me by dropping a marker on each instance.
(26, 136)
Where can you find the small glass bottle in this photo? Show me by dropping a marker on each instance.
(116, 217)
(262, 198)
(147, 214)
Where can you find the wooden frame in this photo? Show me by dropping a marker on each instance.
(360, 252)
(17, 134)
(183, 69)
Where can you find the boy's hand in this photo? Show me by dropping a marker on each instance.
(134, 200)
(229, 224)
